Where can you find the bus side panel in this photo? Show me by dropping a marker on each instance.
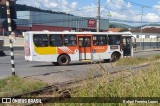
(48, 54)
(27, 46)
(72, 51)
(115, 48)
(100, 52)
(46, 58)
(51, 54)
(101, 56)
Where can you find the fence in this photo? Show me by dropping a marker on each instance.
(1, 45)
(147, 43)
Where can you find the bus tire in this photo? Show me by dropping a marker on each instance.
(115, 56)
(63, 60)
(55, 63)
(106, 60)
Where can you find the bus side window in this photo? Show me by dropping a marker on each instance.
(114, 40)
(99, 40)
(69, 40)
(40, 40)
(55, 40)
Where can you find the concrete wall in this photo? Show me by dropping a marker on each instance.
(19, 42)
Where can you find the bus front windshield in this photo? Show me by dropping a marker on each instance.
(114, 39)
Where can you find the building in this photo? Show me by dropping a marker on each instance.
(39, 21)
(147, 32)
(114, 29)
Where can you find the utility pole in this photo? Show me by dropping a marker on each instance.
(141, 29)
(98, 17)
(10, 40)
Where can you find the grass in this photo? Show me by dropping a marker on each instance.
(15, 85)
(135, 61)
(145, 83)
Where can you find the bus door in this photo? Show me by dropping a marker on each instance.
(127, 46)
(84, 47)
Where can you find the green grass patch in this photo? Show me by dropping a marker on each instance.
(145, 83)
(135, 61)
(15, 85)
(131, 61)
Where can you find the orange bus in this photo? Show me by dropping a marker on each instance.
(61, 48)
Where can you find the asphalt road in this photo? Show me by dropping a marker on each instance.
(52, 74)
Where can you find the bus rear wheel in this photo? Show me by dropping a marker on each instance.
(63, 60)
(115, 57)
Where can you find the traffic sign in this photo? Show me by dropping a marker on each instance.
(13, 25)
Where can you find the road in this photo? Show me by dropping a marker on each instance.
(52, 74)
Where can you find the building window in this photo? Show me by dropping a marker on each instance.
(99, 40)
(40, 40)
(55, 40)
(70, 40)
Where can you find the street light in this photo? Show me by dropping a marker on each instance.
(109, 15)
(141, 29)
(98, 16)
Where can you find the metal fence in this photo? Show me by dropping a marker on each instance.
(147, 43)
(1, 45)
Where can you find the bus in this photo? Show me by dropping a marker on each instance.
(61, 48)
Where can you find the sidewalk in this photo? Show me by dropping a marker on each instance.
(19, 42)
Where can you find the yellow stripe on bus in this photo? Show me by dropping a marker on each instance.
(45, 50)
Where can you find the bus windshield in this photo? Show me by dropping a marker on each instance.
(114, 39)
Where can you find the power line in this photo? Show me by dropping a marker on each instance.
(137, 4)
(106, 6)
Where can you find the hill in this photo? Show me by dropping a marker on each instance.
(20, 7)
(119, 25)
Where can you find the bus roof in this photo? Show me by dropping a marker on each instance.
(92, 33)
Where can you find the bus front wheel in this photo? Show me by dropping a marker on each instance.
(63, 60)
(115, 57)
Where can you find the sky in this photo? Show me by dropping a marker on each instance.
(129, 11)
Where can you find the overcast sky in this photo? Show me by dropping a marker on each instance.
(129, 10)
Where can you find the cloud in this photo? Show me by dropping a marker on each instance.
(119, 9)
(119, 4)
(55, 5)
(73, 5)
(157, 7)
(125, 11)
(151, 17)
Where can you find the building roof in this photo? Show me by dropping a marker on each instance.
(150, 27)
(61, 20)
(114, 29)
